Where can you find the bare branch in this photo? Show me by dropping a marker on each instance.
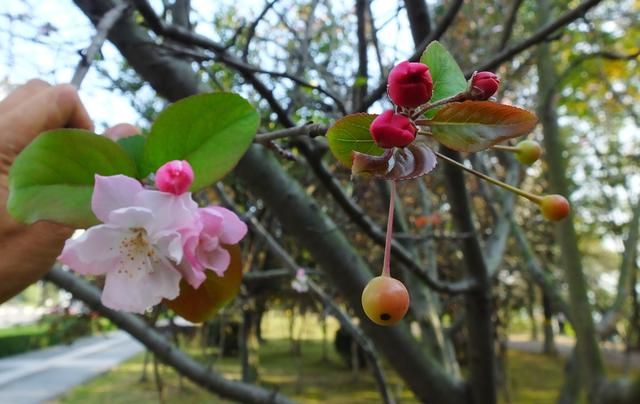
(102, 30)
(365, 223)
(434, 35)
(285, 258)
(251, 31)
(507, 29)
(163, 349)
(539, 36)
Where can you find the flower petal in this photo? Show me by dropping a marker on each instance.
(113, 192)
(169, 244)
(135, 290)
(217, 260)
(233, 229)
(95, 252)
(171, 212)
(192, 275)
(131, 217)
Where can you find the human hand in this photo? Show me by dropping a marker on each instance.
(28, 251)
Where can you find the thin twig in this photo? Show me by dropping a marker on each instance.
(539, 36)
(87, 57)
(311, 130)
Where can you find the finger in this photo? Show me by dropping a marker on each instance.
(24, 92)
(121, 130)
(56, 107)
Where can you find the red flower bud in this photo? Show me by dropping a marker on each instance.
(484, 85)
(392, 130)
(174, 177)
(410, 84)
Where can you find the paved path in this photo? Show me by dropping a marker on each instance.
(42, 375)
(611, 353)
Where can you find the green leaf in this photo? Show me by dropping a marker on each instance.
(350, 134)
(448, 79)
(198, 305)
(134, 146)
(211, 131)
(472, 126)
(52, 178)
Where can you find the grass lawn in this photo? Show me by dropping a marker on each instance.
(306, 378)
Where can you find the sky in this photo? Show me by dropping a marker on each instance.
(28, 51)
(41, 39)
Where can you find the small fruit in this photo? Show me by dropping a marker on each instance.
(528, 152)
(554, 207)
(385, 300)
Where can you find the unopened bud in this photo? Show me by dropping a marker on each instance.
(392, 130)
(174, 177)
(483, 85)
(410, 84)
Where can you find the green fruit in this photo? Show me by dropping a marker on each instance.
(528, 152)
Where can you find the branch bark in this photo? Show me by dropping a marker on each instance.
(163, 349)
(298, 213)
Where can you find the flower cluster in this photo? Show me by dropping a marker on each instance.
(410, 87)
(150, 239)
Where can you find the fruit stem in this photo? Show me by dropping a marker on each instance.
(386, 263)
(533, 198)
(505, 148)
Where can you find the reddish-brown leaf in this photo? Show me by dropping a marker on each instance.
(198, 305)
(472, 126)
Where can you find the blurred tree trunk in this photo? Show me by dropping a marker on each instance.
(589, 361)
(549, 346)
(531, 303)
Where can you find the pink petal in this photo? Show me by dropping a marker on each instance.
(217, 260)
(128, 291)
(233, 229)
(95, 252)
(211, 221)
(111, 193)
(193, 276)
(169, 244)
(131, 217)
(171, 212)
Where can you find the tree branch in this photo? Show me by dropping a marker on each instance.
(102, 30)
(163, 349)
(377, 234)
(434, 35)
(539, 36)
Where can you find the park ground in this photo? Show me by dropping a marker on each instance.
(314, 373)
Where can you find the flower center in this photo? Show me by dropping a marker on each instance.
(136, 252)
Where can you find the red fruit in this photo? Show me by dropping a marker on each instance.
(410, 84)
(528, 152)
(555, 207)
(392, 130)
(484, 85)
(385, 300)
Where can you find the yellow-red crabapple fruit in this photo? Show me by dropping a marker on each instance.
(385, 300)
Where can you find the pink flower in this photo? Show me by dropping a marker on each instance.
(175, 177)
(203, 243)
(139, 245)
(410, 84)
(300, 283)
(484, 85)
(392, 130)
